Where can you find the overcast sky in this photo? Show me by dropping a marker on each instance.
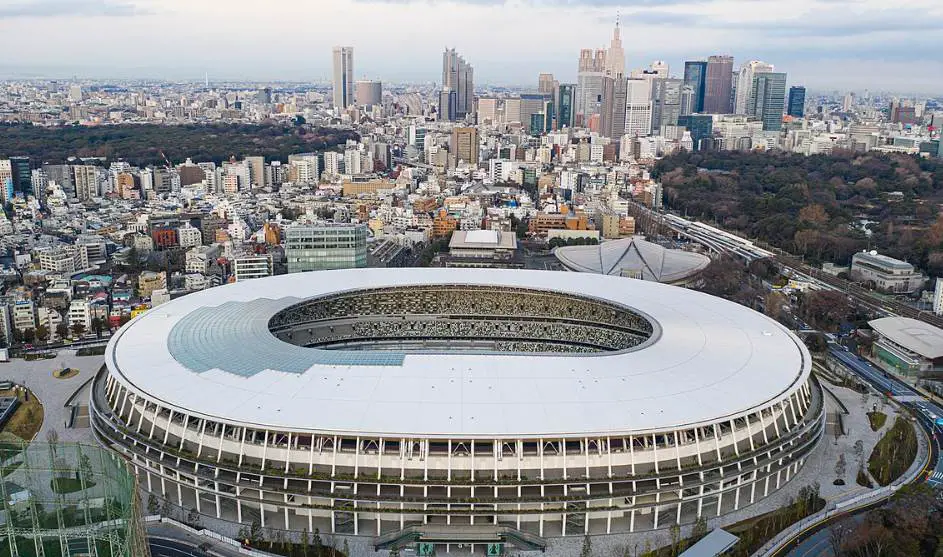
(824, 44)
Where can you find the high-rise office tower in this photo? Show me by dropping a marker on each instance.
(615, 56)
(796, 105)
(695, 76)
(448, 105)
(717, 85)
(566, 95)
(6, 181)
(768, 99)
(22, 175)
(487, 110)
(343, 76)
(638, 107)
(687, 99)
(660, 68)
(459, 76)
(589, 83)
(369, 93)
(546, 84)
(612, 112)
(465, 145)
(666, 103)
(848, 102)
(745, 83)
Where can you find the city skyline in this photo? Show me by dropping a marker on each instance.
(834, 50)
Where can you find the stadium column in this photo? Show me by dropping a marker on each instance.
(183, 430)
(733, 435)
(264, 454)
(199, 446)
(150, 434)
(750, 433)
(287, 457)
(680, 476)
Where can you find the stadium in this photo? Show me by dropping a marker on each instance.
(449, 405)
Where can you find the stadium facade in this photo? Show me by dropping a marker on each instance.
(525, 403)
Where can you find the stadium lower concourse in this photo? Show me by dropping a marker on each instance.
(521, 405)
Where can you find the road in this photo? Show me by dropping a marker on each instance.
(163, 547)
(817, 543)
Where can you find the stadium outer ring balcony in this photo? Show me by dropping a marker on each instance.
(715, 410)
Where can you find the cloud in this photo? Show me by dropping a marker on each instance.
(70, 8)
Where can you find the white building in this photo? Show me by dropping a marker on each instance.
(80, 312)
(24, 315)
(189, 236)
(199, 259)
(745, 84)
(638, 107)
(249, 267)
(887, 273)
(63, 259)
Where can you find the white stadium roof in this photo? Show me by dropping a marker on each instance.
(634, 254)
(713, 359)
(918, 337)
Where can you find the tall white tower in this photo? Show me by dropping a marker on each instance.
(343, 76)
(745, 84)
(615, 57)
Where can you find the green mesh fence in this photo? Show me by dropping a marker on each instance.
(67, 499)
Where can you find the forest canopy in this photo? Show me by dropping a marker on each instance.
(824, 207)
(143, 144)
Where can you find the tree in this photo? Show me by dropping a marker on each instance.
(85, 468)
(29, 335)
(316, 541)
(78, 329)
(193, 517)
(346, 548)
(840, 466)
(699, 529)
(305, 542)
(62, 330)
(98, 325)
(42, 333)
(153, 506)
(587, 549)
(17, 336)
(675, 533)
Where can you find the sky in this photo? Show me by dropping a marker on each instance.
(824, 44)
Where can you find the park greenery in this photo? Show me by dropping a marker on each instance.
(27, 420)
(894, 453)
(148, 144)
(823, 207)
(910, 525)
(877, 420)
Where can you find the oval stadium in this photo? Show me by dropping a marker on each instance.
(458, 405)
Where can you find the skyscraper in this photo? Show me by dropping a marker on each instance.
(459, 76)
(546, 84)
(695, 75)
(638, 107)
(666, 103)
(701, 127)
(566, 94)
(612, 112)
(660, 68)
(745, 83)
(369, 93)
(465, 145)
(343, 76)
(768, 99)
(22, 175)
(615, 56)
(589, 83)
(717, 85)
(448, 105)
(796, 101)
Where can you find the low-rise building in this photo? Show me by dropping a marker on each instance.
(908, 347)
(80, 312)
(483, 248)
(886, 273)
(248, 267)
(150, 281)
(63, 259)
(200, 258)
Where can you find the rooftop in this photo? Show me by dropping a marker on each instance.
(483, 239)
(712, 359)
(918, 337)
(634, 255)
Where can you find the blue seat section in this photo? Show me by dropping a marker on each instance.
(235, 337)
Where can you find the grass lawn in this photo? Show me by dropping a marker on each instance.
(91, 351)
(894, 453)
(27, 419)
(877, 419)
(63, 486)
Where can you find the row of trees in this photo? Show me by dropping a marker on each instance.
(42, 333)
